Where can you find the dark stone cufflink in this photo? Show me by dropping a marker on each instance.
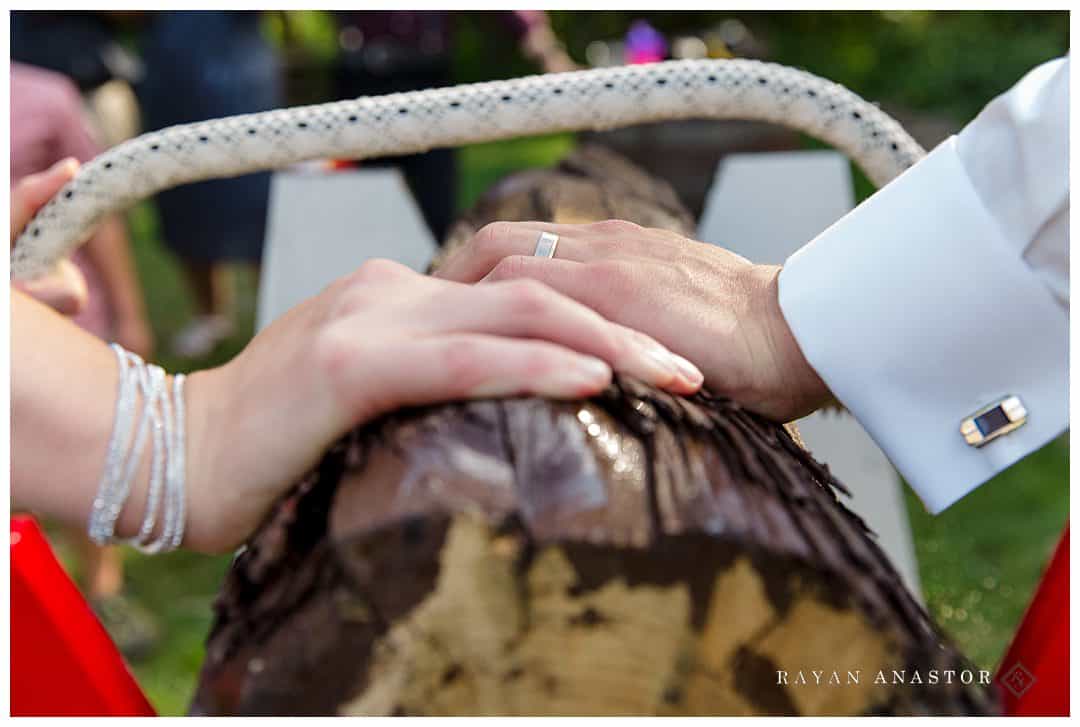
(993, 421)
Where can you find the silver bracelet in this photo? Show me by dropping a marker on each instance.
(107, 504)
(167, 482)
(152, 383)
(161, 419)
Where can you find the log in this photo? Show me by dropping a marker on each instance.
(589, 185)
(635, 553)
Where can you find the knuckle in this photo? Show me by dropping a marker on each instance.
(490, 240)
(351, 298)
(356, 291)
(335, 353)
(616, 227)
(376, 270)
(508, 268)
(527, 297)
(607, 245)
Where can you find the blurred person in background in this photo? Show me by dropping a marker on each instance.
(382, 52)
(203, 65)
(84, 47)
(48, 123)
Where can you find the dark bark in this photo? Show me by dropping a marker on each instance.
(635, 553)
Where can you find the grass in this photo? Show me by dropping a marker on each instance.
(179, 588)
(979, 561)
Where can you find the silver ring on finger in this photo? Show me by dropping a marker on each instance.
(546, 244)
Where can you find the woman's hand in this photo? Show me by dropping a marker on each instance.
(702, 301)
(63, 288)
(382, 338)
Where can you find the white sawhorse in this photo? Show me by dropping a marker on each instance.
(323, 225)
(764, 206)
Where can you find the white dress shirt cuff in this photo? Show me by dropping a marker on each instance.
(916, 312)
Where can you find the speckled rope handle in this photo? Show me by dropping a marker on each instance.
(412, 122)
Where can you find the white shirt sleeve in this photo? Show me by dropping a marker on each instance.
(948, 290)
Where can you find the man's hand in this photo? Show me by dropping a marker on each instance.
(63, 288)
(703, 302)
(378, 339)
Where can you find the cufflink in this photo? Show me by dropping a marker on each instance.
(993, 421)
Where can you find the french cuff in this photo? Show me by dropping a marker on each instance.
(917, 313)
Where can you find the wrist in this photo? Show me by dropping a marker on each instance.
(795, 387)
(246, 434)
(206, 492)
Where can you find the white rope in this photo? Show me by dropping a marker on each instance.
(412, 122)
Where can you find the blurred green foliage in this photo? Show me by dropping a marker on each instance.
(979, 561)
(946, 62)
(949, 62)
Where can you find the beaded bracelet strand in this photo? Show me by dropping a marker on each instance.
(161, 420)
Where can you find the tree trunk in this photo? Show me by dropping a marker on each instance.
(632, 554)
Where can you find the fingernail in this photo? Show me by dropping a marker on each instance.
(594, 370)
(659, 368)
(689, 371)
(670, 364)
(66, 164)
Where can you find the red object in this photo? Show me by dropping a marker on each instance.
(338, 164)
(64, 663)
(1033, 678)
(62, 659)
